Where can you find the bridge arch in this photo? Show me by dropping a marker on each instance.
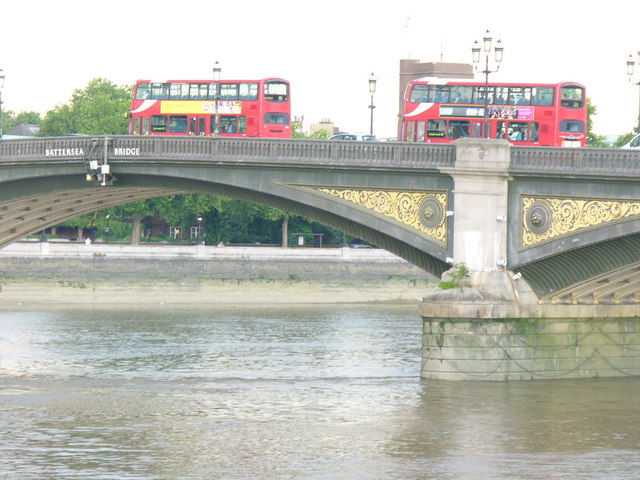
(354, 195)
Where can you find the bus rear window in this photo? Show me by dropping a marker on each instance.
(276, 118)
(573, 126)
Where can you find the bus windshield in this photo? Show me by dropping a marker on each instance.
(276, 91)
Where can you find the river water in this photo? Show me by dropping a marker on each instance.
(285, 393)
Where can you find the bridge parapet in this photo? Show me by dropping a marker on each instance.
(247, 150)
(590, 162)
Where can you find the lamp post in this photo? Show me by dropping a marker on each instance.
(630, 64)
(216, 95)
(476, 50)
(372, 90)
(107, 232)
(1, 87)
(200, 237)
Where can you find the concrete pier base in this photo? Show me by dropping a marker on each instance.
(472, 334)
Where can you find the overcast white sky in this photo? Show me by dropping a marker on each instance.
(327, 49)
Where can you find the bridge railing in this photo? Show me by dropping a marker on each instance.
(575, 161)
(245, 150)
(524, 160)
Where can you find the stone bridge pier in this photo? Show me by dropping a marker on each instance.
(493, 326)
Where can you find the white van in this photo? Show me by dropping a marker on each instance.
(634, 143)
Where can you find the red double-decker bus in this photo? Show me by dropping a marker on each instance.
(239, 108)
(438, 110)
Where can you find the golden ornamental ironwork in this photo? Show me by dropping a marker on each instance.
(423, 211)
(545, 219)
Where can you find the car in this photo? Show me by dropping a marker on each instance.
(359, 244)
(358, 137)
(633, 143)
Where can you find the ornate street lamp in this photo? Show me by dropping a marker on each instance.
(216, 96)
(1, 87)
(476, 50)
(372, 90)
(630, 64)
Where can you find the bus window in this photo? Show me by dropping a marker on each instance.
(228, 91)
(418, 94)
(542, 96)
(572, 96)
(178, 124)
(442, 93)
(432, 94)
(410, 131)
(159, 91)
(501, 96)
(500, 130)
(518, 131)
(276, 118)
(228, 124)
(214, 91)
(458, 128)
(248, 91)
(573, 126)
(143, 92)
(198, 91)
(420, 131)
(461, 94)
(435, 128)
(276, 91)
(520, 96)
(478, 95)
(136, 126)
(158, 123)
(533, 131)
(179, 91)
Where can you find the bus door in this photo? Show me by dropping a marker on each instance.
(197, 126)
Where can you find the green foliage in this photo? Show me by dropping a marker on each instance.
(100, 109)
(455, 277)
(10, 120)
(593, 140)
(297, 132)
(623, 139)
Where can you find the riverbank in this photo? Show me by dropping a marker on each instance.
(55, 274)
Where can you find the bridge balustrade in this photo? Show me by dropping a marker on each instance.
(309, 152)
(524, 160)
(575, 161)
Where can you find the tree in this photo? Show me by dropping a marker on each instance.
(100, 109)
(593, 140)
(10, 120)
(624, 139)
(297, 131)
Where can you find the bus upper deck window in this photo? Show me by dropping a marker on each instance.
(143, 91)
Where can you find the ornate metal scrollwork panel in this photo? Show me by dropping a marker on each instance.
(549, 218)
(422, 211)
